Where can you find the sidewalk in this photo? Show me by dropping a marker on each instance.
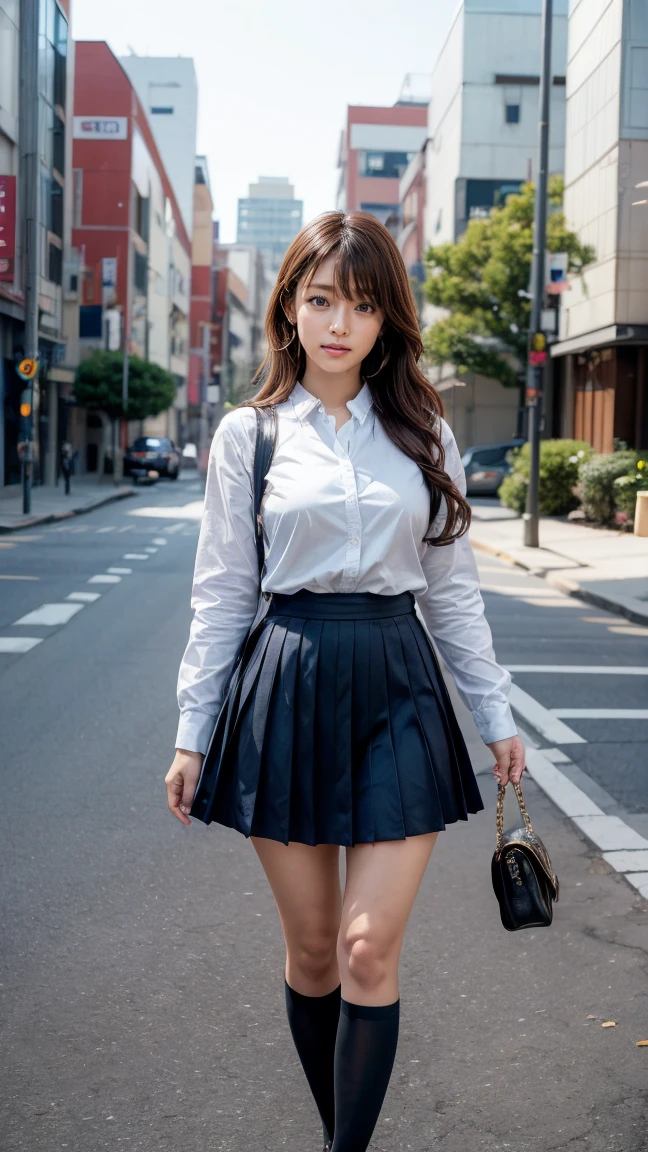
(601, 566)
(49, 502)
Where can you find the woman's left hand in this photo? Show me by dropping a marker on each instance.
(510, 756)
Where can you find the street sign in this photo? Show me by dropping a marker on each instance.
(27, 369)
(536, 358)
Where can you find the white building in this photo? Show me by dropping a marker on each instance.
(601, 358)
(483, 117)
(168, 90)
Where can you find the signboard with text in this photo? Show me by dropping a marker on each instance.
(7, 227)
(100, 128)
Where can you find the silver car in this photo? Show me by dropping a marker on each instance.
(486, 466)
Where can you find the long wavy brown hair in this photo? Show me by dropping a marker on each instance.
(368, 265)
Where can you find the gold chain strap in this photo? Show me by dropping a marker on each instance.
(499, 817)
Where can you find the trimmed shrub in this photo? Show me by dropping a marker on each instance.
(627, 486)
(559, 464)
(599, 493)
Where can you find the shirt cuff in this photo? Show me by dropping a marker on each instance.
(195, 730)
(495, 722)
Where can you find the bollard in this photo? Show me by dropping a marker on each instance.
(641, 515)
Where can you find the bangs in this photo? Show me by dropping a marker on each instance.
(359, 272)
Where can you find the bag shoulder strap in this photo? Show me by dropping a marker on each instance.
(266, 438)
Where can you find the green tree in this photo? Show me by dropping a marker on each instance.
(151, 389)
(480, 278)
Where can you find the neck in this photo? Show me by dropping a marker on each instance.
(333, 390)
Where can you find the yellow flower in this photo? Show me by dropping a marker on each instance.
(641, 463)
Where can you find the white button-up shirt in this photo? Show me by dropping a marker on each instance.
(344, 511)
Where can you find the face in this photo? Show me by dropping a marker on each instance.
(336, 334)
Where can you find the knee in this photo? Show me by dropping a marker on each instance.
(367, 958)
(314, 957)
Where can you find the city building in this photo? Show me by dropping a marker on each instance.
(269, 218)
(411, 197)
(376, 147)
(483, 114)
(201, 370)
(483, 145)
(135, 252)
(247, 294)
(168, 92)
(600, 361)
(56, 370)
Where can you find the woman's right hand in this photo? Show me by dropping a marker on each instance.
(181, 781)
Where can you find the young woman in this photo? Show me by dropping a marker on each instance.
(344, 734)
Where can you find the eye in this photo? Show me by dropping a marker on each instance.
(367, 305)
(317, 300)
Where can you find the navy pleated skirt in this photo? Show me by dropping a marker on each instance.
(337, 728)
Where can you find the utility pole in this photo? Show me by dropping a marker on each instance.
(30, 198)
(537, 339)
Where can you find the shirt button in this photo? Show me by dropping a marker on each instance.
(354, 541)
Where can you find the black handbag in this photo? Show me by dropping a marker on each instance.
(266, 438)
(523, 879)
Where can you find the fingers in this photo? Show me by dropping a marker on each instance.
(510, 763)
(175, 787)
(516, 767)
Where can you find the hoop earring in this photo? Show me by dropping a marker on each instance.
(284, 347)
(385, 361)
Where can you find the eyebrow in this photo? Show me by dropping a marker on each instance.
(323, 287)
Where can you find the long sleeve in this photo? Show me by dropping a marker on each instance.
(453, 611)
(225, 589)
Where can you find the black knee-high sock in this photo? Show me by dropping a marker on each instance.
(314, 1022)
(364, 1058)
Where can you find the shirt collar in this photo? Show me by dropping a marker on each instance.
(304, 402)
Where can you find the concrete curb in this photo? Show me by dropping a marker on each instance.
(564, 584)
(50, 517)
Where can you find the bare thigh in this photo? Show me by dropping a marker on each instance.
(305, 883)
(382, 881)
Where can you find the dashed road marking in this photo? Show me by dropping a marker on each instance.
(135, 556)
(120, 571)
(601, 713)
(84, 597)
(111, 529)
(104, 579)
(51, 614)
(582, 669)
(18, 644)
(542, 719)
(160, 540)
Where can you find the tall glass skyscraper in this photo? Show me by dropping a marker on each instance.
(269, 217)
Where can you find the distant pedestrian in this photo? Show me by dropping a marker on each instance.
(339, 730)
(67, 463)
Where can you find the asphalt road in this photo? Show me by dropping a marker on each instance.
(142, 996)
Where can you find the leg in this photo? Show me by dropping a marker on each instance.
(382, 882)
(305, 883)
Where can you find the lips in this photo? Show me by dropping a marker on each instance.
(336, 347)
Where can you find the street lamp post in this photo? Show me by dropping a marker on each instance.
(537, 339)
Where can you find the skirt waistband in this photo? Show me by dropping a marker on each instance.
(309, 605)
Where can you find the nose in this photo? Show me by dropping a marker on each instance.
(339, 322)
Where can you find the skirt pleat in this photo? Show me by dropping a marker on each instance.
(337, 728)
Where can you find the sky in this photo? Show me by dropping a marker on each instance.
(275, 77)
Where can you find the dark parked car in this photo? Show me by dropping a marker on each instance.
(152, 453)
(486, 466)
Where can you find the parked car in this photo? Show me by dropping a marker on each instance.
(486, 466)
(190, 456)
(152, 453)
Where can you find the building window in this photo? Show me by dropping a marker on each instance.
(512, 113)
(140, 273)
(388, 164)
(55, 270)
(159, 110)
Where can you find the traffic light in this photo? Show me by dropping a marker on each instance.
(26, 414)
